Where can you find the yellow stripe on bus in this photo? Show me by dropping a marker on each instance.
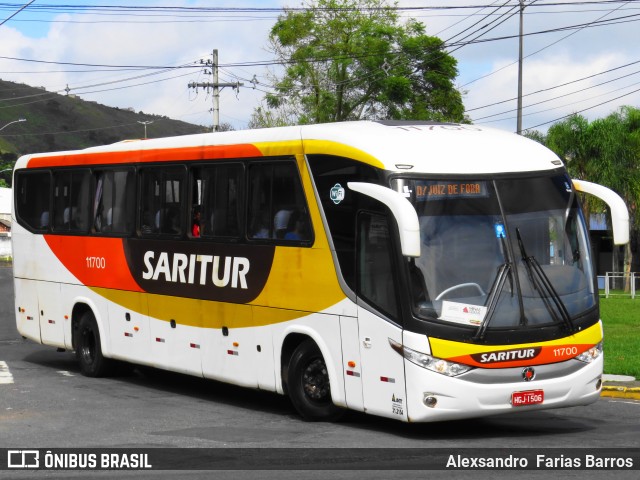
(326, 147)
(302, 279)
(448, 349)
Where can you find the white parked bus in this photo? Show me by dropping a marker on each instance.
(417, 271)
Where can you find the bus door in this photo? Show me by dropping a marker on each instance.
(27, 317)
(50, 314)
(352, 364)
(383, 379)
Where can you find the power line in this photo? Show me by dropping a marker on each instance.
(16, 13)
(559, 86)
(566, 95)
(584, 110)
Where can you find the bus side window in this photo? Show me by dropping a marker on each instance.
(197, 186)
(71, 200)
(161, 200)
(221, 215)
(114, 193)
(277, 206)
(32, 200)
(375, 264)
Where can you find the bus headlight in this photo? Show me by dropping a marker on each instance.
(438, 365)
(590, 355)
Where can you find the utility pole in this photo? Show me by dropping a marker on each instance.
(215, 86)
(519, 126)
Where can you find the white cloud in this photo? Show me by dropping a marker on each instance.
(135, 41)
(95, 41)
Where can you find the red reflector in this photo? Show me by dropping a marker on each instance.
(195, 345)
(387, 379)
(351, 373)
(127, 334)
(232, 352)
(161, 340)
(52, 321)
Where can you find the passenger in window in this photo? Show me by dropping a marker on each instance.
(281, 222)
(68, 218)
(44, 219)
(147, 222)
(297, 227)
(260, 227)
(195, 225)
(172, 221)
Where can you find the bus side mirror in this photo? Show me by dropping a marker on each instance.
(402, 210)
(619, 212)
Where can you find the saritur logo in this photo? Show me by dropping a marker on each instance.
(507, 355)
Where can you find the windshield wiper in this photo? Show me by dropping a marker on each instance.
(504, 272)
(544, 286)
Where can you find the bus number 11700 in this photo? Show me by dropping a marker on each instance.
(96, 262)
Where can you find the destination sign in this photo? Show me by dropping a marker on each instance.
(438, 190)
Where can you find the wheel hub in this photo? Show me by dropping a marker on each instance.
(315, 380)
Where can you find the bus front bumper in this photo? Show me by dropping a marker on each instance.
(481, 392)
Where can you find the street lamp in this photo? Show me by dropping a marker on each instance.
(15, 121)
(148, 122)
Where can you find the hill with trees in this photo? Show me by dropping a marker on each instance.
(57, 122)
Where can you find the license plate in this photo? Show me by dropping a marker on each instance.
(530, 397)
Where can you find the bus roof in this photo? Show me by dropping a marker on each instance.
(410, 147)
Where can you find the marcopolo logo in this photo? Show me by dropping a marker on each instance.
(337, 193)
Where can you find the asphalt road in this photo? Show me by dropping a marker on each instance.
(51, 405)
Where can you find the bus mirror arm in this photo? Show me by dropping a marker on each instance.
(619, 212)
(402, 210)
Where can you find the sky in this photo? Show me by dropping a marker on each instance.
(580, 56)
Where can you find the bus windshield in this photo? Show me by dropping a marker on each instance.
(499, 253)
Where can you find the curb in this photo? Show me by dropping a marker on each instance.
(618, 391)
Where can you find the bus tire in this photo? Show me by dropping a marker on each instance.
(88, 349)
(308, 384)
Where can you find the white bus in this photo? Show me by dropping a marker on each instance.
(417, 271)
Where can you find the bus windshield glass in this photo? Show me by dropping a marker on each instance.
(499, 253)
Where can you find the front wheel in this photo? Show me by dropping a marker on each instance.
(88, 350)
(308, 384)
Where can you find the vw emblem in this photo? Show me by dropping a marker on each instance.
(528, 374)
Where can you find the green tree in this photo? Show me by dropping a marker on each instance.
(355, 59)
(605, 151)
(7, 162)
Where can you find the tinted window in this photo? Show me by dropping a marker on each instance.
(112, 210)
(222, 201)
(71, 200)
(32, 199)
(375, 263)
(161, 200)
(331, 174)
(277, 207)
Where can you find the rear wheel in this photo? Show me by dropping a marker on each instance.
(88, 350)
(308, 384)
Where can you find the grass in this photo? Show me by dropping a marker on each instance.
(621, 320)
